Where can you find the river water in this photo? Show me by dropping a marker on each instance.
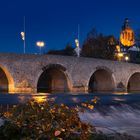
(112, 113)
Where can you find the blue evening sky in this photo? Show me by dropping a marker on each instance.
(56, 21)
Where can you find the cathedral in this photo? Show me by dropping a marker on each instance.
(126, 42)
(127, 50)
(127, 35)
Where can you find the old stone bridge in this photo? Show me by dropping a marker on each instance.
(52, 73)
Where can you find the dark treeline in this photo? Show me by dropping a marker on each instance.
(69, 50)
(98, 45)
(95, 45)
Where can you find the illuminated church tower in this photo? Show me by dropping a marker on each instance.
(127, 35)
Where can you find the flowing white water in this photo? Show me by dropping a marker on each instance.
(124, 118)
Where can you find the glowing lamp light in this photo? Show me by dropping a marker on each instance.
(23, 35)
(126, 58)
(39, 99)
(77, 42)
(40, 44)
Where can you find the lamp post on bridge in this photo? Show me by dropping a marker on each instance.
(40, 44)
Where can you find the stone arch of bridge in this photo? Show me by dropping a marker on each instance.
(6, 80)
(133, 82)
(101, 80)
(54, 78)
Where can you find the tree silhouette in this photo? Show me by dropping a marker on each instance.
(99, 46)
(69, 50)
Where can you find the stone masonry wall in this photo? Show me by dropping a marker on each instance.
(23, 71)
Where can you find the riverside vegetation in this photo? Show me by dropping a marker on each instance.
(46, 121)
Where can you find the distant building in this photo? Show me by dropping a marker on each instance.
(134, 54)
(126, 50)
(127, 35)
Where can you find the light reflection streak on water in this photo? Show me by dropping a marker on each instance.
(119, 99)
(40, 97)
(121, 93)
(75, 100)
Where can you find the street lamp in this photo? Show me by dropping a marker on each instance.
(40, 44)
(77, 49)
(77, 42)
(126, 58)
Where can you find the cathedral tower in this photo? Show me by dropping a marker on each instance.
(127, 35)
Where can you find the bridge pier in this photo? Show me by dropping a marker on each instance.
(79, 89)
(120, 87)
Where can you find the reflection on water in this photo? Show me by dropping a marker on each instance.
(121, 93)
(120, 99)
(39, 99)
(42, 97)
(112, 112)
